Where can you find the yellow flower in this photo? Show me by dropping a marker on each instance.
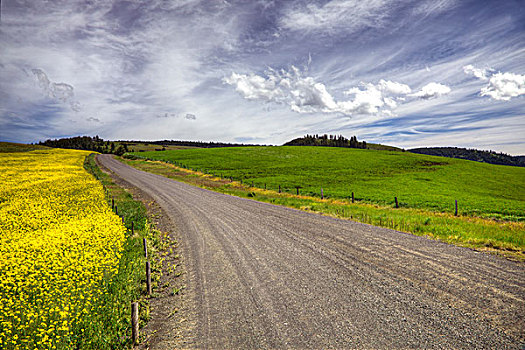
(57, 235)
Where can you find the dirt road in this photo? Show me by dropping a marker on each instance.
(263, 276)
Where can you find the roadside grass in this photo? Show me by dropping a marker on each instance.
(375, 177)
(502, 237)
(109, 326)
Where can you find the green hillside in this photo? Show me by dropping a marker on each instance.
(490, 157)
(10, 147)
(418, 181)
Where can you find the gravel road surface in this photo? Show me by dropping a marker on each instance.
(263, 276)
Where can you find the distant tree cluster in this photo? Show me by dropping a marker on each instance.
(87, 143)
(198, 144)
(327, 141)
(472, 154)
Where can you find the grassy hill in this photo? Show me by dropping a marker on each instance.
(381, 147)
(10, 147)
(472, 154)
(418, 181)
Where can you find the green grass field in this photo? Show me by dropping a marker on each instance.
(375, 177)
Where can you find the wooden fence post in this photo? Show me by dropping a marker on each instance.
(456, 212)
(145, 247)
(135, 322)
(132, 228)
(148, 277)
(112, 203)
(279, 188)
(397, 204)
(322, 194)
(297, 188)
(352, 197)
(116, 210)
(264, 186)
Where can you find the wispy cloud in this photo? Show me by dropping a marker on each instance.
(372, 68)
(58, 91)
(93, 119)
(335, 15)
(187, 116)
(432, 90)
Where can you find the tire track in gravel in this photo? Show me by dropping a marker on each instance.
(264, 276)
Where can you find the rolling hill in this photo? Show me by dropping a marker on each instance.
(418, 181)
(490, 157)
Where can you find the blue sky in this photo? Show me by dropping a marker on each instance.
(403, 73)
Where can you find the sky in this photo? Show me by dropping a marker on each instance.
(403, 73)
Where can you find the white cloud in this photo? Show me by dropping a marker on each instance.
(390, 102)
(504, 86)
(501, 86)
(432, 90)
(366, 101)
(302, 94)
(477, 72)
(394, 88)
(255, 87)
(305, 95)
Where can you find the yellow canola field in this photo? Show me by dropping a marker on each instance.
(58, 238)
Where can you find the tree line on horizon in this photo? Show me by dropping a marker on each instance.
(87, 143)
(490, 157)
(199, 144)
(327, 141)
(100, 145)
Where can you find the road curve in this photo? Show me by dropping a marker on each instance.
(264, 276)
